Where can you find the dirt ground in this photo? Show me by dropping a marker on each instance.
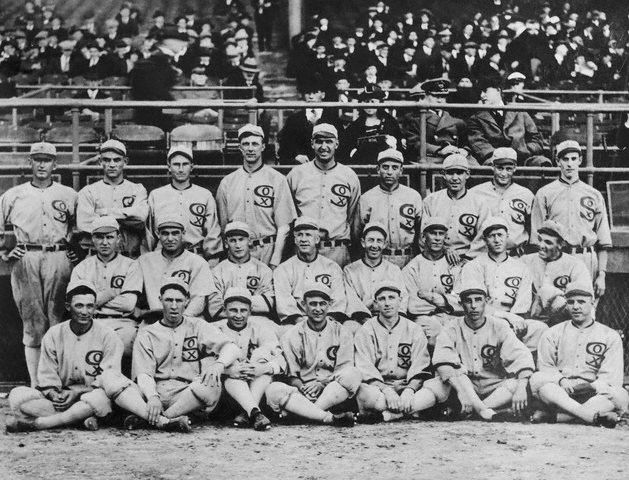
(469, 450)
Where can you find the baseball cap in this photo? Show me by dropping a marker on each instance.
(434, 223)
(234, 228)
(391, 154)
(375, 226)
(472, 290)
(504, 155)
(386, 285)
(306, 223)
(176, 283)
(568, 146)
(115, 146)
(105, 224)
(492, 223)
(325, 130)
(579, 288)
(456, 161)
(172, 221)
(317, 288)
(237, 293)
(516, 77)
(249, 130)
(551, 227)
(470, 44)
(79, 284)
(183, 150)
(43, 149)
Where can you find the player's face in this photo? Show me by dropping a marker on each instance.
(387, 303)
(456, 180)
(171, 239)
(373, 243)
(251, 148)
(174, 303)
(42, 167)
(496, 241)
(316, 308)
(113, 165)
(390, 173)
(325, 148)
(503, 175)
(549, 246)
(82, 308)
(238, 246)
(569, 165)
(180, 168)
(237, 314)
(580, 308)
(474, 306)
(435, 240)
(306, 241)
(105, 243)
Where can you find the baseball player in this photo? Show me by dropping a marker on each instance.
(118, 197)
(41, 213)
(241, 270)
(429, 279)
(482, 359)
(75, 357)
(257, 195)
(195, 206)
(464, 211)
(362, 276)
(177, 362)
(552, 270)
(507, 199)
(307, 266)
(260, 357)
(328, 192)
(116, 278)
(396, 206)
(320, 364)
(580, 210)
(393, 359)
(580, 364)
(173, 260)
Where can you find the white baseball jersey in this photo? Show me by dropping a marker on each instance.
(312, 355)
(261, 199)
(112, 280)
(428, 276)
(189, 267)
(291, 276)
(195, 207)
(166, 353)
(68, 359)
(491, 351)
(513, 204)
(257, 344)
(253, 275)
(361, 281)
(389, 354)
(465, 217)
(508, 283)
(400, 211)
(579, 208)
(43, 216)
(328, 196)
(593, 353)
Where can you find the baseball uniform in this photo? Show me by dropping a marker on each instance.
(400, 212)
(189, 267)
(126, 201)
(291, 276)
(196, 209)
(465, 216)
(514, 204)
(262, 200)
(331, 198)
(40, 217)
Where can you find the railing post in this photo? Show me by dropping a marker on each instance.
(555, 122)
(423, 114)
(75, 147)
(589, 155)
(253, 116)
(109, 121)
(280, 119)
(14, 117)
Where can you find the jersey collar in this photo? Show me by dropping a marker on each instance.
(181, 189)
(253, 171)
(475, 328)
(460, 198)
(389, 329)
(568, 183)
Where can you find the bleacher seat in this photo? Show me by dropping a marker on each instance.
(55, 79)
(146, 144)
(25, 135)
(63, 134)
(25, 79)
(205, 140)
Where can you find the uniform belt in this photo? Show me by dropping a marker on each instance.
(576, 250)
(112, 315)
(258, 242)
(398, 251)
(334, 243)
(57, 247)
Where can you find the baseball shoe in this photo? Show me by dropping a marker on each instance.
(505, 416)
(133, 422)
(19, 424)
(345, 419)
(606, 419)
(241, 420)
(91, 423)
(369, 418)
(543, 416)
(178, 424)
(259, 421)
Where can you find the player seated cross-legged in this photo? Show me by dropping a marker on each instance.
(580, 364)
(392, 356)
(177, 364)
(76, 355)
(320, 364)
(481, 358)
(260, 357)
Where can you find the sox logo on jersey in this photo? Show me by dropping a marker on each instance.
(407, 212)
(61, 210)
(588, 210)
(93, 358)
(468, 222)
(519, 211)
(198, 211)
(265, 196)
(342, 192)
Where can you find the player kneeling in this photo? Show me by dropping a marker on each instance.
(580, 364)
(79, 363)
(260, 357)
(392, 356)
(482, 359)
(319, 355)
